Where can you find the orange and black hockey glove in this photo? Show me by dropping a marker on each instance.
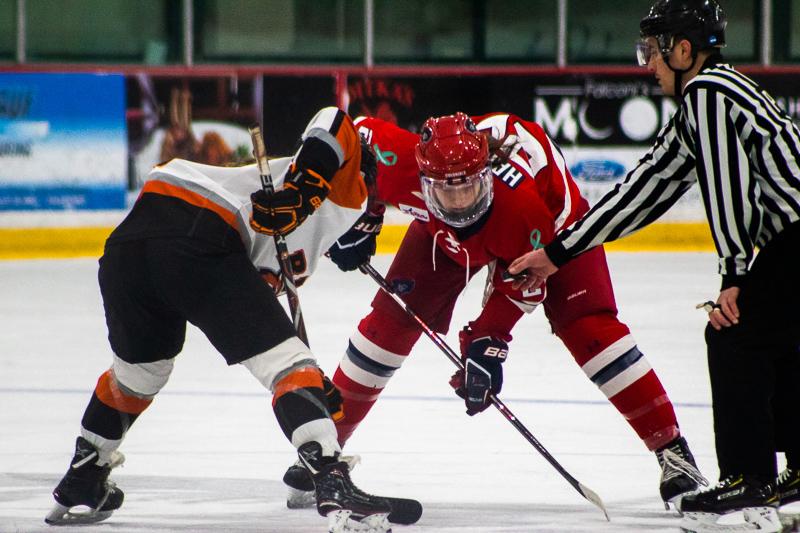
(483, 371)
(281, 212)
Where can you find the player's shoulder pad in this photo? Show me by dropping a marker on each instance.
(330, 119)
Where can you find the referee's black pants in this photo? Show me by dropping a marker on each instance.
(755, 366)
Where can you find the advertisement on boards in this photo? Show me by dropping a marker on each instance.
(602, 123)
(197, 118)
(205, 118)
(63, 141)
(604, 126)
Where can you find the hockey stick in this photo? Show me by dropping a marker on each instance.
(586, 492)
(260, 153)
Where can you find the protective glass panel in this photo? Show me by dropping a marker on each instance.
(102, 30)
(794, 31)
(605, 31)
(743, 32)
(8, 29)
(522, 30)
(421, 30)
(786, 31)
(246, 30)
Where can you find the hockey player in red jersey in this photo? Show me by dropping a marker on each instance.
(483, 191)
(194, 248)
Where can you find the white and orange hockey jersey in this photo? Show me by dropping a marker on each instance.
(226, 192)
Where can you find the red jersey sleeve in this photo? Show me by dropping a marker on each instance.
(520, 221)
(398, 175)
(531, 153)
(535, 197)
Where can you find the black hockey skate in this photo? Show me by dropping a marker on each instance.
(756, 498)
(335, 490)
(86, 484)
(679, 473)
(301, 486)
(789, 486)
(301, 493)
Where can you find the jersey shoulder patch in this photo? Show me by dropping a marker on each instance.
(416, 212)
(509, 175)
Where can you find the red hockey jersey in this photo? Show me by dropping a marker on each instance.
(534, 197)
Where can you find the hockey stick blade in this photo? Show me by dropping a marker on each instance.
(440, 343)
(404, 511)
(592, 496)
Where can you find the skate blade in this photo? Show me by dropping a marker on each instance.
(676, 501)
(300, 499)
(762, 519)
(765, 519)
(340, 522)
(790, 521)
(61, 515)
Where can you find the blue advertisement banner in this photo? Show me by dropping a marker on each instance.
(63, 141)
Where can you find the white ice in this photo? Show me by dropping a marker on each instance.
(208, 454)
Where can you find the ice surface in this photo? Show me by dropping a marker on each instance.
(208, 454)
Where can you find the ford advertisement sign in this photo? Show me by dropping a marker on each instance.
(597, 170)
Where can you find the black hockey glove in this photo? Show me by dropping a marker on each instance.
(281, 212)
(358, 245)
(483, 372)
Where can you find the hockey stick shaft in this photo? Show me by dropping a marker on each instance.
(260, 153)
(505, 411)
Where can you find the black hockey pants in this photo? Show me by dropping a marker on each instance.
(755, 366)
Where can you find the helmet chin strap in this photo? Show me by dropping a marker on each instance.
(678, 73)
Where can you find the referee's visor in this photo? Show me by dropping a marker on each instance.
(646, 48)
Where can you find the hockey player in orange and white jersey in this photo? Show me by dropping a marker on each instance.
(194, 248)
(483, 191)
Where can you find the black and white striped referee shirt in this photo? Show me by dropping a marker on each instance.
(731, 138)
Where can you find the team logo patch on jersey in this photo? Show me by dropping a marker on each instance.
(509, 175)
(452, 244)
(403, 286)
(416, 212)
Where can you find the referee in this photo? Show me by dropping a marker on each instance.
(730, 137)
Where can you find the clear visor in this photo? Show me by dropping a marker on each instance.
(647, 48)
(458, 202)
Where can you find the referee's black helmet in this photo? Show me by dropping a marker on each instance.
(701, 22)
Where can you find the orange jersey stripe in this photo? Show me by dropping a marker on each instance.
(167, 189)
(305, 378)
(347, 186)
(109, 393)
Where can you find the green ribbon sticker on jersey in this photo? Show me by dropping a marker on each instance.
(536, 239)
(387, 158)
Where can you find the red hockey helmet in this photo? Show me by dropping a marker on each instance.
(453, 159)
